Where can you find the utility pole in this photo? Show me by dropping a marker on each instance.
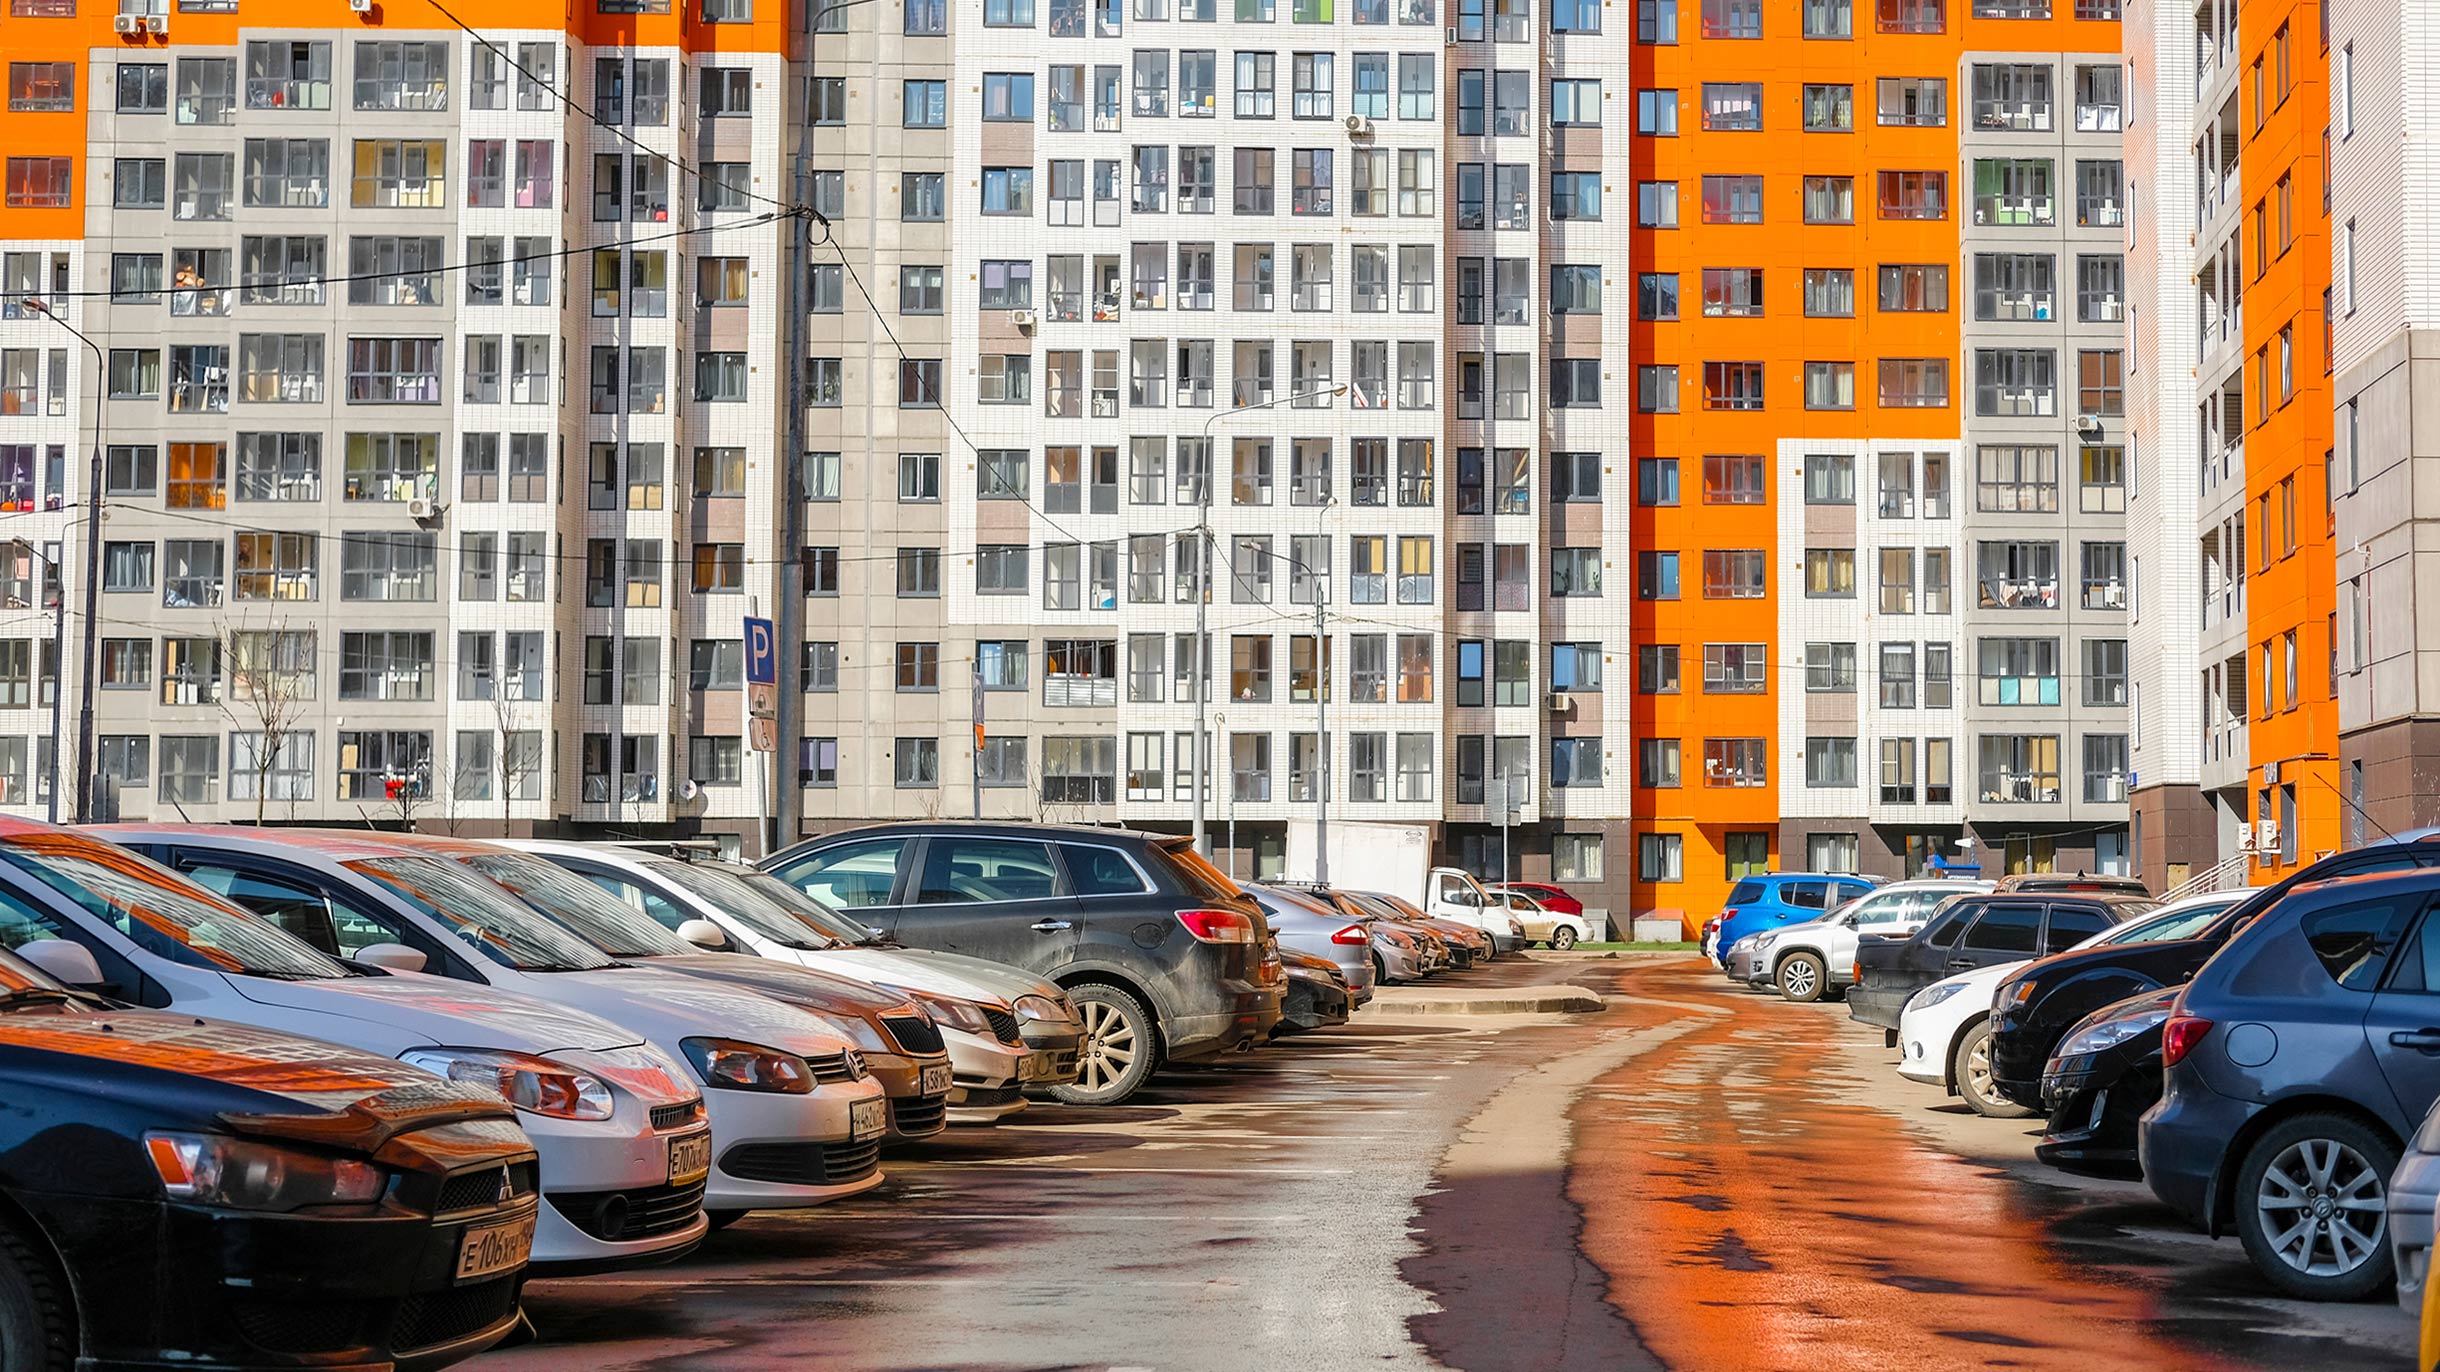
(92, 589)
(1321, 734)
(977, 691)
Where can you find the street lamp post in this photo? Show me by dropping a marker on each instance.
(59, 656)
(1203, 596)
(91, 589)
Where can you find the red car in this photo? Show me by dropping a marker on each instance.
(1555, 900)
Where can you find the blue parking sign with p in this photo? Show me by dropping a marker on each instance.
(762, 653)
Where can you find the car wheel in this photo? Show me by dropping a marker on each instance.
(1802, 977)
(1121, 1046)
(1562, 938)
(2312, 1205)
(1970, 1066)
(36, 1333)
(1380, 970)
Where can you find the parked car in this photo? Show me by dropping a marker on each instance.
(1974, 931)
(619, 1124)
(2299, 1060)
(2101, 1080)
(2414, 1194)
(1463, 944)
(1161, 954)
(2093, 1106)
(1007, 1031)
(1540, 923)
(1944, 1033)
(2090, 883)
(1402, 954)
(1771, 900)
(1308, 926)
(194, 1193)
(1552, 898)
(1317, 994)
(795, 1119)
(1817, 958)
(901, 1046)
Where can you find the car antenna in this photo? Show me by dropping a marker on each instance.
(2352, 804)
(173, 804)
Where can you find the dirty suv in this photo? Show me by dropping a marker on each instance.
(1163, 957)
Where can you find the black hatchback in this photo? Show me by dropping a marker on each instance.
(181, 1192)
(1163, 957)
(1971, 931)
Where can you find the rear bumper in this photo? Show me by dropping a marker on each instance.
(2182, 1145)
(1249, 1021)
(1878, 1006)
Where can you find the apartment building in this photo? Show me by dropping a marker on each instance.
(1443, 362)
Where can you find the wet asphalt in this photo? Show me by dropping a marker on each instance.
(1697, 1178)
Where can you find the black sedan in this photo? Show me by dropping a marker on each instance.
(176, 1190)
(2096, 1089)
(1975, 931)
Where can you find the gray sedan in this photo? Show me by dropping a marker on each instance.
(1307, 927)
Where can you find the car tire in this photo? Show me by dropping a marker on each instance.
(1970, 1068)
(1380, 970)
(1563, 938)
(2323, 1157)
(1802, 977)
(36, 1331)
(1120, 1050)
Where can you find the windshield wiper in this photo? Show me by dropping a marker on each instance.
(38, 995)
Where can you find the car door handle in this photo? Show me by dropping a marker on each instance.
(2421, 1040)
(1961, 964)
(1050, 926)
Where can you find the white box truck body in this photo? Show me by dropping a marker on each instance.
(1396, 859)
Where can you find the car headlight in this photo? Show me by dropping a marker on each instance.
(1760, 943)
(736, 1066)
(957, 1014)
(2013, 994)
(2109, 1034)
(1930, 996)
(530, 1083)
(1041, 1009)
(243, 1174)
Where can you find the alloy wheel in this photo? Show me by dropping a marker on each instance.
(2323, 1206)
(1109, 1045)
(1798, 979)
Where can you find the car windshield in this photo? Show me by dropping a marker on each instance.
(163, 913)
(589, 912)
(1745, 893)
(483, 917)
(2165, 926)
(763, 903)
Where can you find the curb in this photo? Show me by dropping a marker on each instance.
(1539, 1000)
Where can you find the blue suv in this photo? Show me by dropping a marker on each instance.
(2297, 1063)
(1772, 899)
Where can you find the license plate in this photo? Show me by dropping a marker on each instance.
(935, 1080)
(1036, 1067)
(690, 1158)
(495, 1248)
(868, 1119)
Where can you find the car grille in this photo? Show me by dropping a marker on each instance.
(480, 1189)
(991, 1095)
(679, 1116)
(831, 1067)
(802, 1164)
(912, 1115)
(318, 1327)
(645, 1212)
(1461, 956)
(444, 1316)
(1003, 1023)
(914, 1033)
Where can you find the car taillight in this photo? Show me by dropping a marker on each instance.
(2178, 1037)
(1353, 933)
(1217, 926)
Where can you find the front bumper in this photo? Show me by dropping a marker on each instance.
(2413, 1190)
(1504, 944)
(2096, 1108)
(777, 1151)
(986, 1081)
(1744, 963)
(1059, 1046)
(167, 1286)
(1918, 1059)
(2182, 1145)
(1878, 1006)
(2020, 1053)
(584, 1163)
(914, 1112)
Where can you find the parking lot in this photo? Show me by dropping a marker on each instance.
(1697, 1177)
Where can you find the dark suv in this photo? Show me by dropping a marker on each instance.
(1164, 958)
(2095, 1094)
(2299, 1061)
(1976, 931)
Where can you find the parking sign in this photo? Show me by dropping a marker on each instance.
(762, 668)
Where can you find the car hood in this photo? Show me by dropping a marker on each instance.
(823, 993)
(667, 1007)
(922, 969)
(2152, 957)
(2133, 1007)
(389, 1014)
(1984, 979)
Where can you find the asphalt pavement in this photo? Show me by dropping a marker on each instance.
(1693, 1177)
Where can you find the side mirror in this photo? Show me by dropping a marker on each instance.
(65, 960)
(391, 957)
(703, 934)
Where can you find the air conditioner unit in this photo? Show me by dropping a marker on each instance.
(2088, 424)
(1561, 702)
(1358, 126)
(128, 23)
(1024, 319)
(157, 23)
(361, 6)
(2267, 837)
(421, 509)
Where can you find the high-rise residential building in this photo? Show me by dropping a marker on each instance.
(1646, 448)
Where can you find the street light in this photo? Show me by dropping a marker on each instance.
(59, 657)
(92, 588)
(1203, 594)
